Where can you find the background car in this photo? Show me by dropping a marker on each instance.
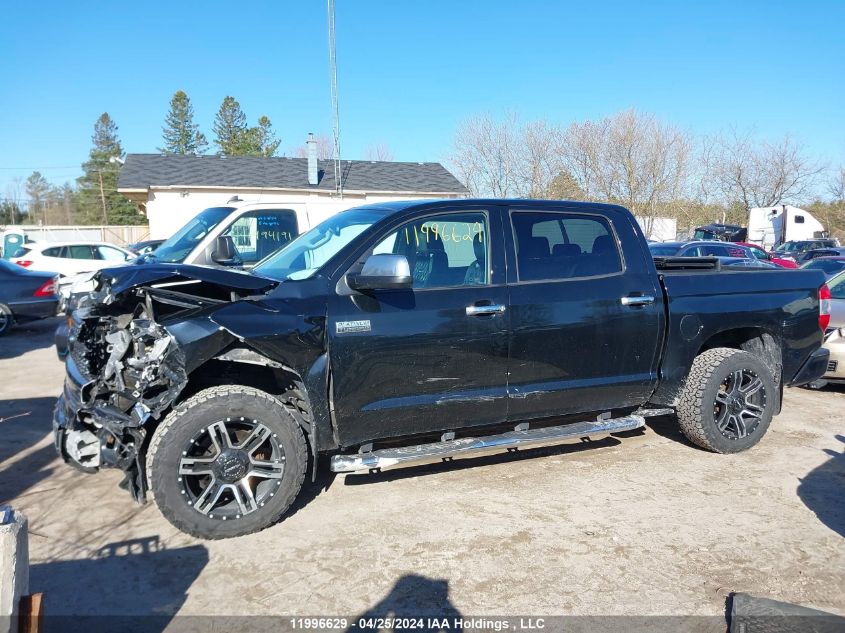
(830, 266)
(700, 248)
(763, 256)
(25, 295)
(815, 253)
(793, 249)
(837, 301)
(70, 258)
(745, 262)
(834, 339)
(144, 247)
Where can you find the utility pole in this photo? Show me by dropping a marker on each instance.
(338, 174)
(103, 198)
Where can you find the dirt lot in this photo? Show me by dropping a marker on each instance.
(644, 524)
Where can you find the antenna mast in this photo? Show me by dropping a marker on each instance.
(338, 177)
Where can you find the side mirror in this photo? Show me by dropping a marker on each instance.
(225, 252)
(382, 272)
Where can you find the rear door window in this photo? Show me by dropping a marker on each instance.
(559, 245)
(53, 251)
(80, 251)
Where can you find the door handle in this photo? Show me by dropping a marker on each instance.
(485, 310)
(642, 300)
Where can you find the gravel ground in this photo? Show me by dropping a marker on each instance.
(642, 524)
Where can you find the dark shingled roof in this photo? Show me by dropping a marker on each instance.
(150, 170)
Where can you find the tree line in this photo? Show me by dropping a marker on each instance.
(95, 200)
(654, 168)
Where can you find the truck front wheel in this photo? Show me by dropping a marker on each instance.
(728, 400)
(226, 462)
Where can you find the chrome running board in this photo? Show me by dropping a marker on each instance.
(477, 446)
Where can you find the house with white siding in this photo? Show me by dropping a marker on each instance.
(171, 189)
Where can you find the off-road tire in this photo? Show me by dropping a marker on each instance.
(695, 408)
(187, 419)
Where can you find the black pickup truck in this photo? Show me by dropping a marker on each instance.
(412, 332)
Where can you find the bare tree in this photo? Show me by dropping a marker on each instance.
(378, 151)
(484, 155)
(14, 193)
(506, 158)
(631, 158)
(836, 185)
(325, 148)
(761, 173)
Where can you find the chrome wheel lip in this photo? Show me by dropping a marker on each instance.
(225, 480)
(740, 404)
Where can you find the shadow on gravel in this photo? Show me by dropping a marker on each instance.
(27, 337)
(667, 426)
(413, 597)
(109, 590)
(821, 490)
(23, 424)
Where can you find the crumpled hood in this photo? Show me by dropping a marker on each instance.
(122, 278)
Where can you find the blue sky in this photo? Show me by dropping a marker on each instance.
(409, 72)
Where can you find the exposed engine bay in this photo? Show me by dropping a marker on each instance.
(126, 368)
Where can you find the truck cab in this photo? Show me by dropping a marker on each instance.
(252, 231)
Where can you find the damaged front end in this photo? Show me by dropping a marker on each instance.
(125, 368)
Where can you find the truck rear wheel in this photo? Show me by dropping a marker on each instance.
(226, 462)
(728, 400)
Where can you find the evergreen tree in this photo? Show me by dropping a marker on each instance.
(230, 128)
(99, 200)
(181, 134)
(260, 140)
(265, 139)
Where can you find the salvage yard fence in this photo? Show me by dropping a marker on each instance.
(115, 234)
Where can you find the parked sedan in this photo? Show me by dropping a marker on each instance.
(830, 266)
(834, 340)
(25, 295)
(70, 258)
(763, 256)
(815, 253)
(793, 249)
(700, 248)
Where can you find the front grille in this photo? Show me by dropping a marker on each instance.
(831, 365)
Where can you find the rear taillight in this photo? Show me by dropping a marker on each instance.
(24, 262)
(824, 307)
(47, 289)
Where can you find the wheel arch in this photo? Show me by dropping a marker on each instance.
(755, 340)
(758, 340)
(243, 365)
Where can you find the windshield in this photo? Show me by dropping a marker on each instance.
(177, 248)
(305, 255)
(660, 250)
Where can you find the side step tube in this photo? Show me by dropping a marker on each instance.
(477, 446)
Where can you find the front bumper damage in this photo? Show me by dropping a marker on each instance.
(126, 368)
(122, 372)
